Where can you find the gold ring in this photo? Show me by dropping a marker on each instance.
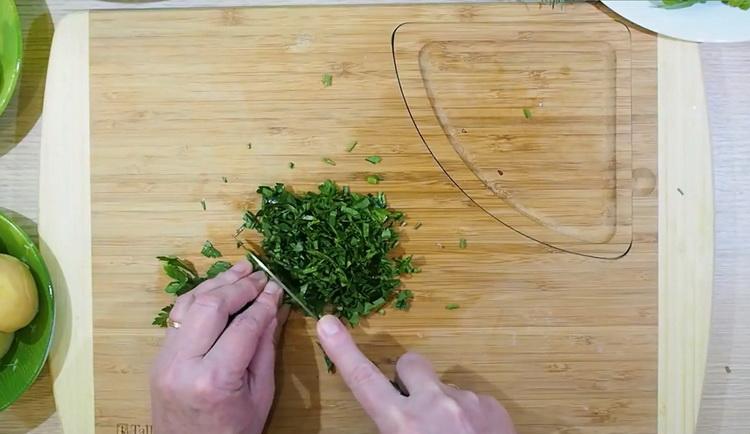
(173, 324)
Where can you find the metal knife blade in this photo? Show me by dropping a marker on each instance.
(286, 289)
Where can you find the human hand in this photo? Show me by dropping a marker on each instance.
(214, 378)
(431, 407)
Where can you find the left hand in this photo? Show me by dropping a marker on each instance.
(211, 377)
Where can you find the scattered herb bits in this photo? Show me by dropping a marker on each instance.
(333, 248)
(329, 161)
(462, 243)
(203, 204)
(291, 164)
(527, 113)
(452, 306)
(224, 178)
(351, 146)
(327, 80)
(210, 251)
(374, 159)
(403, 300)
(418, 225)
(374, 179)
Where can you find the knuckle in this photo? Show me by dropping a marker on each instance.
(210, 301)
(249, 323)
(362, 374)
(203, 390)
(450, 406)
(471, 398)
(183, 302)
(408, 358)
(267, 303)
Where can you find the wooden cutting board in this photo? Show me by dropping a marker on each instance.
(558, 283)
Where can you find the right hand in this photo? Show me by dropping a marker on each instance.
(431, 407)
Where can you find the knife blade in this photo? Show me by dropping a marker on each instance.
(286, 289)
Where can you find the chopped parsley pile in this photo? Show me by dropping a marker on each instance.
(332, 247)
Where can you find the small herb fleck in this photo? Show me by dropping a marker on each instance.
(250, 145)
(351, 147)
(329, 161)
(500, 172)
(203, 204)
(527, 113)
(452, 306)
(291, 164)
(418, 225)
(224, 178)
(327, 80)
(462, 243)
(210, 251)
(403, 299)
(374, 159)
(727, 369)
(373, 179)
(679, 190)
(329, 363)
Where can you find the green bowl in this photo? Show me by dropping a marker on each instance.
(25, 359)
(11, 51)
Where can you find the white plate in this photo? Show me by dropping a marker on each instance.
(712, 21)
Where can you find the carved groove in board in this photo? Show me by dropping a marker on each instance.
(469, 93)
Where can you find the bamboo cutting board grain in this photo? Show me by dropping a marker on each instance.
(557, 285)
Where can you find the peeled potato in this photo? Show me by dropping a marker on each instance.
(19, 300)
(5, 340)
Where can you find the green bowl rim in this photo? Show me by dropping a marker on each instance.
(17, 73)
(53, 314)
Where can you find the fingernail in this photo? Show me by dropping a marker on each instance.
(272, 288)
(242, 265)
(329, 326)
(259, 277)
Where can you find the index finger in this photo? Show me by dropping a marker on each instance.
(371, 388)
(209, 313)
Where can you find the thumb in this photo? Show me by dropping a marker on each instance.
(370, 387)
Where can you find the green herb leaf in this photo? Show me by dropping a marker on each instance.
(527, 113)
(209, 250)
(351, 147)
(329, 161)
(217, 268)
(373, 179)
(452, 306)
(374, 159)
(403, 299)
(327, 80)
(162, 317)
(462, 243)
